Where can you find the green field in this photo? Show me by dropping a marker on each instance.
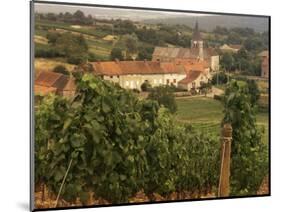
(206, 114)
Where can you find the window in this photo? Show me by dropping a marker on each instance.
(160, 81)
(168, 81)
(193, 85)
(111, 77)
(175, 81)
(127, 83)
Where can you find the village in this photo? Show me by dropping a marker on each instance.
(197, 71)
(143, 107)
(186, 68)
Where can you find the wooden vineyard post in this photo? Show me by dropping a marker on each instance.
(226, 137)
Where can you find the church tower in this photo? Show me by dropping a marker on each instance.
(197, 42)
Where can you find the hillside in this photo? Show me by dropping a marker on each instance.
(211, 21)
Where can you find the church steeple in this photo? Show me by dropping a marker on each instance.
(196, 33)
(197, 42)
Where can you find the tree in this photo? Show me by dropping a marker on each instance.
(73, 47)
(164, 96)
(234, 38)
(92, 57)
(253, 91)
(61, 69)
(145, 86)
(131, 43)
(145, 53)
(219, 78)
(227, 61)
(253, 44)
(249, 158)
(79, 15)
(220, 30)
(116, 53)
(52, 37)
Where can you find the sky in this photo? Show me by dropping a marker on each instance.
(109, 13)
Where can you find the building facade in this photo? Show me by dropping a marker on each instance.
(264, 55)
(193, 80)
(50, 82)
(196, 51)
(132, 74)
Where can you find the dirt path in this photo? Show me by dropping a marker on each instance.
(264, 188)
(215, 91)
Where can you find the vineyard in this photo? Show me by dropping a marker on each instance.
(106, 143)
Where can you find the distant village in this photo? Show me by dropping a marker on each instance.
(184, 68)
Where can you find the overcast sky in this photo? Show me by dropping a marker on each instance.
(110, 12)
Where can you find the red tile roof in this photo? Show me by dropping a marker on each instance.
(190, 77)
(47, 78)
(43, 90)
(51, 82)
(181, 53)
(134, 67)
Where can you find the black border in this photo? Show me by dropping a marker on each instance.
(32, 2)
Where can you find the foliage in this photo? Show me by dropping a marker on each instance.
(131, 43)
(118, 145)
(234, 38)
(46, 51)
(78, 17)
(92, 57)
(123, 26)
(219, 78)
(61, 69)
(227, 61)
(145, 53)
(73, 47)
(116, 53)
(249, 155)
(254, 92)
(146, 86)
(164, 96)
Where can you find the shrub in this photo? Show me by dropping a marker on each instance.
(117, 145)
(61, 69)
(145, 86)
(219, 78)
(164, 96)
(116, 53)
(77, 59)
(92, 57)
(249, 156)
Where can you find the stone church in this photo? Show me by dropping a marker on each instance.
(197, 51)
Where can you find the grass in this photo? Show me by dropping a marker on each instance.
(40, 39)
(263, 86)
(206, 114)
(98, 46)
(49, 64)
(84, 29)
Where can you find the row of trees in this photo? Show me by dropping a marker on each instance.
(74, 48)
(243, 61)
(251, 40)
(77, 17)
